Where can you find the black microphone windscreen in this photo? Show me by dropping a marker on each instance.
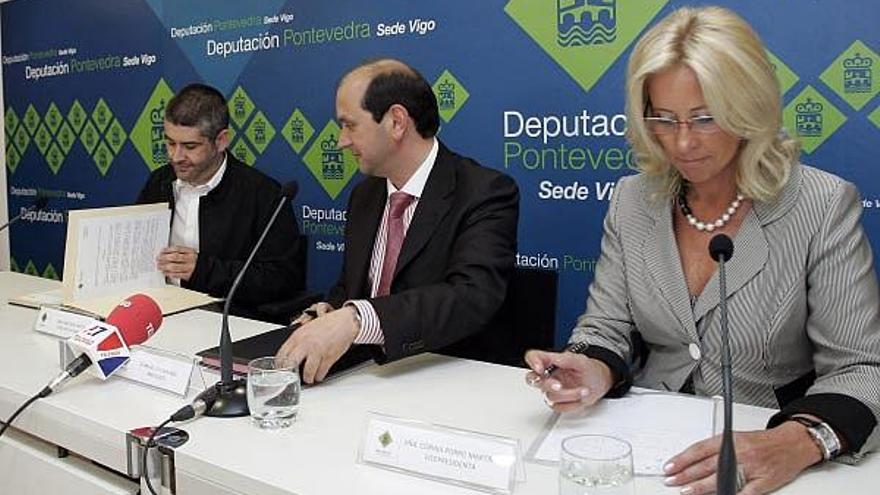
(290, 189)
(719, 246)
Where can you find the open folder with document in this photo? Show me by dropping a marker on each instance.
(111, 253)
(658, 425)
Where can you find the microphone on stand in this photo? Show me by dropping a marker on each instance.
(228, 397)
(721, 249)
(105, 345)
(39, 203)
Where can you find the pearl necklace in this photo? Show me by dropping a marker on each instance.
(711, 226)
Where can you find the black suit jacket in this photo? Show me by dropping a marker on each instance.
(455, 262)
(231, 218)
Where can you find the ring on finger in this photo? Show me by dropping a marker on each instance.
(740, 477)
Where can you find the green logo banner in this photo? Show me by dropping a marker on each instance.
(332, 167)
(584, 38)
(148, 134)
(811, 118)
(297, 131)
(851, 75)
(451, 95)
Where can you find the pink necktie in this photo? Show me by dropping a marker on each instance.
(393, 240)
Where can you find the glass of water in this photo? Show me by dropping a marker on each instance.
(273, 391)
(596, 465)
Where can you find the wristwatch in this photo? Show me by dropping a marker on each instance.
(822, 434)
(359, 321)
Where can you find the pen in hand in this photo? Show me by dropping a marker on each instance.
(576, 348)
(296, 323)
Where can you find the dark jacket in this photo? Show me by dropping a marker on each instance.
(453, 268)
(231, 219)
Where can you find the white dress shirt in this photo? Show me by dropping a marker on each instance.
(371, 328)
(185, 225)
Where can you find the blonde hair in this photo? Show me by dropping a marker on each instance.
(740, 88)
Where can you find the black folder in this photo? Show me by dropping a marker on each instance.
(268, 343)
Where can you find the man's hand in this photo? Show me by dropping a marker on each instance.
(321, 342)
(768, 459)
(177, 262)
(577, 382)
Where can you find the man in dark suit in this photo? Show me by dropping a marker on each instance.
(430, 238)
(221, 207)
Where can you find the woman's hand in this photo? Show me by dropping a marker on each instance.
(768, 459)
(578, 380)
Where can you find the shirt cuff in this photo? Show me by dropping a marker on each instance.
(847, 416)
(371, 328)
(619, 370)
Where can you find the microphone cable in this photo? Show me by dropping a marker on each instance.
(146, 451)
(73, 369)
(203, 402)
(43, 393)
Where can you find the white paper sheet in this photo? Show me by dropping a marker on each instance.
(657, 425)
(117, 252)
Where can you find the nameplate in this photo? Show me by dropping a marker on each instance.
(474, 460)
(158, 369)
(60, 323)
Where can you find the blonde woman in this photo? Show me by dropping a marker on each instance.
(704, 117)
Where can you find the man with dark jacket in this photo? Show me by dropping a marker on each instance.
(430, 241)
(220, 208)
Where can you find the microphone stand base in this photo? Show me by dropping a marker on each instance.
(231, 401)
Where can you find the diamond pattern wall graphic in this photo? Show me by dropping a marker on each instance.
(243, 152)
(240, 107)
(811, 118)
(297, 131)
(12, 159)
(43, 138)
(102, 115)
(583, 38)
(250, 130)
(31, 119)
(89, 137)
(54, 157)
(260, 132)
(332, 167)
(116, 136)
(21, 140)
(76, 116)
(50, 272)
(451, 95)
(11, 120)
(53, 118)
(787, 78)
(148, 133)
(874, 117)
(65, 137)
(31, 269)
(853, 75)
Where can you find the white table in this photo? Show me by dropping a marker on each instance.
(317, 455)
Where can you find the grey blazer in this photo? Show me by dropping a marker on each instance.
(802, 298)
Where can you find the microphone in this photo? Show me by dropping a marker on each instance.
(721, 249)
(230, 399)
(39, 203)
(106, 344)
